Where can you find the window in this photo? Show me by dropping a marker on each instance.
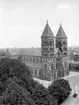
(51, 49)
(65, 53)
(51, 55)
(31, 71)
(45, 42)
(45, 49)
(45, 66)
(27, 58)
(65, 48)
(57, 65)
(60, 49)
(30, 59)
(65, 64)
(45, 55)
(52, 66)
(58, 53)
(33, 59)
(60, 44)
(35, 72)
(37, 59)
(65, 43)
(50, 42)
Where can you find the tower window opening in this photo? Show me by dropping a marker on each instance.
(60, 44)
(45, 42)
(60, 49)
(65, 53)
(45, 49)
(65, 48)
(65, 43)
(58, 53)
(51, 55)
(52, 66)
(65, 64)
(45, 66)
(51, 49)
(50, 42)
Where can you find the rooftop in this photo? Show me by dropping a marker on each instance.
(47, 31)
(61, 32)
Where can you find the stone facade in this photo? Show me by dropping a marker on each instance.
(54, 54)
(53, 61)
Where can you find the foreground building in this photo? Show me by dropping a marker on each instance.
(52, 61)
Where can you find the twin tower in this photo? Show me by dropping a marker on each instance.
(54, 54)
(49, 42)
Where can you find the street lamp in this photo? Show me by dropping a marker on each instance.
(75, 94)
(74, 87)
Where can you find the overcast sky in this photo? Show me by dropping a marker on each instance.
(22, 21)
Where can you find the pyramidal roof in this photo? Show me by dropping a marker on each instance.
(61, 33)
(47, 31)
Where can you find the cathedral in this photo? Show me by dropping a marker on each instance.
(51, 61)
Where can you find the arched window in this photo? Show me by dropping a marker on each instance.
(35, 72)
(65, 64)
(51, 66)
(58, 53)
(50, 42)
(30, 59)
(26, 58)
(45, 66)
(31, 71)
(33, 59)
(37, 59)
(65, 43)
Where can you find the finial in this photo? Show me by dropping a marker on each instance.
(47, 21)
(60, 24)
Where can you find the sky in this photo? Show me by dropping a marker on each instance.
(23, 21)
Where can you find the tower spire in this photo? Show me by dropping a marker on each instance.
(60, 24)
(47, 21)
(47, 31)
(61, 33)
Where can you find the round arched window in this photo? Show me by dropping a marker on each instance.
(65, 64)
(45, 66)
(51, 66)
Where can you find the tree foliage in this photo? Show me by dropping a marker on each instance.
(11, 67)
(17, 86)
(60, 89)
(15, 95)
(41, 95)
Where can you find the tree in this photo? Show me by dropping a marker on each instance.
(11, 67)
(15, 95)
(41, 95)
(60, 89)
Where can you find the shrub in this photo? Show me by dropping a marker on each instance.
(41, 95)
(60, 89)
